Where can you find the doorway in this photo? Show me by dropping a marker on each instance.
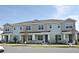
(70, 38)
(6, 37)
(24, 39)
(56, 38)
(46, 38)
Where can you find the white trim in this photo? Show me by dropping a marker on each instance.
(33, 37)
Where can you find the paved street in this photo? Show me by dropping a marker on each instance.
(9, 49)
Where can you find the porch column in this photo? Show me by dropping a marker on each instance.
(1, 37)
(9, 38)
(64, 36)
(33, 37)
(43, 38)
(26, 38)
(21, 37)
(48, 37)
(12, 38)
(65, 39)
(76, 36)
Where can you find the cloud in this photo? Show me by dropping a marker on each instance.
(61, 10)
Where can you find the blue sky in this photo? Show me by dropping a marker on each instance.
(12, 14)
(20, 13)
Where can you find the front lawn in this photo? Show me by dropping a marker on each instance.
(40, 46)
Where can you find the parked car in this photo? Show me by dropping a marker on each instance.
(1, 49)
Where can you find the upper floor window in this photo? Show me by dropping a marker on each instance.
(28, 27)
(40, 27)
(58, 26)
(6, 29)
(20, 28)
(50, 26)
(68, 26)
(14, 28)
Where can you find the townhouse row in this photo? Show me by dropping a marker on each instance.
(41, 31)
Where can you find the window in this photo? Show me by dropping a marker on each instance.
(6, 29)
(50, 26)
(68, 26)
(58, 37)
(40, 27)
(28, 28)
(40, 37)
(29, 37)
(14, 28)
(58, 26)
(20, 28)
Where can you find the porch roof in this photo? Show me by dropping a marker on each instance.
(69, 30)
(7, 33)
(35, 32)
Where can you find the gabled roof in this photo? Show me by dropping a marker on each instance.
(41, 21)
(70, 19)
(7, 24)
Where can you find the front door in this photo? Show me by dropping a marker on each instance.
(56, 38)
(24, 39)
(6, 37)
(46, 38)
(70, 38)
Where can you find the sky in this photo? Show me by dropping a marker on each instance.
(20, 13)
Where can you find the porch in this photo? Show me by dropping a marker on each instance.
(34, 38)
(7, 37)
(69, 37)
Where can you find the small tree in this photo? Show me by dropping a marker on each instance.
(15, 39)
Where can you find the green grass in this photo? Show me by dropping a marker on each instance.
(55, 46)
(40, 45)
